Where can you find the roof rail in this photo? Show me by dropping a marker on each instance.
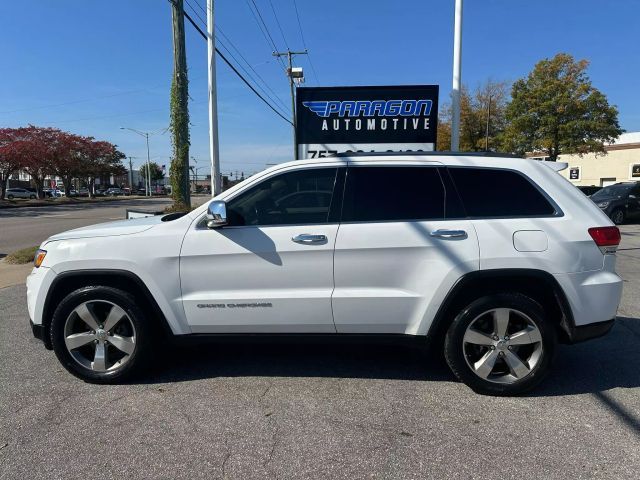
(423, 153)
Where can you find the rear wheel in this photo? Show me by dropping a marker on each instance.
(618, 216)
(500, 344)
(100, 335)
(32, 197)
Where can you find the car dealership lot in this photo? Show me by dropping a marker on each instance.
(242, 411)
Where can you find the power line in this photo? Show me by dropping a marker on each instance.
(235, 70)
(222, 44)
(278, 23)
(304, 43)
(263, 27)
(277, 99)
(250, 66)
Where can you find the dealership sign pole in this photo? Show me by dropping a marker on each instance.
(457, 72)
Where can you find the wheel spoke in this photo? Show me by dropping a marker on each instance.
(87, 316)
(525, 337)
(500, 321)
(124, 344)
(78, 340)
(477, 337)
(100, 358)
(484, 366)
(517, 367)
(115, 315)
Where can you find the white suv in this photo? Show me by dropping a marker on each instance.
(496, 259)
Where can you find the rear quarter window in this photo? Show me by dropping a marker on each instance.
(489, 192)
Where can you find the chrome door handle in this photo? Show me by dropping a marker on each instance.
(449, 233)
(308, 239)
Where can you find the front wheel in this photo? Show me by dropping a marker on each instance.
(100, 335)
(10, 197)
(500, 344)
(32, 197)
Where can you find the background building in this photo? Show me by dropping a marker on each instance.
(620, 164)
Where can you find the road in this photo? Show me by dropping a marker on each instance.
(28, 226)
(273, 411)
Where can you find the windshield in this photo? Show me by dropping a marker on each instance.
(616, 191)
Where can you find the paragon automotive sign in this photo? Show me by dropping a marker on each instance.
(338, 119)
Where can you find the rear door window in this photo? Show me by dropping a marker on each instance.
(490, 192)
(376, 194)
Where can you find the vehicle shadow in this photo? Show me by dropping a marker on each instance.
(592, 367)
(612, 361)
(307, 359)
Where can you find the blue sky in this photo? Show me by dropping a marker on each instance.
(91, 66)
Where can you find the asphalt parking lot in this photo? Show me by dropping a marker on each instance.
(276, 411)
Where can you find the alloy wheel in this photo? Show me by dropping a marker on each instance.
(502, 345)
(100, 336)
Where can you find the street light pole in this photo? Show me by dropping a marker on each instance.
(486, 136)
(148, 176)
(457, 66)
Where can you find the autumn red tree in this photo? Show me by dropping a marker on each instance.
(11, 158)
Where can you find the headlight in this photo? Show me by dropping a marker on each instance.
(39, 257)
(603, 204)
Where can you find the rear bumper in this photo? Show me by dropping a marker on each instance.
(587, 332)
(593, 296)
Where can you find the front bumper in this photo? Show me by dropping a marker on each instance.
(38, 330)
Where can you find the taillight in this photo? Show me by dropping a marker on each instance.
(607, 238)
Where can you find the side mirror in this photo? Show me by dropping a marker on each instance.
(216, 214)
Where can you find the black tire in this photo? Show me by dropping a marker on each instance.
(32, 197)
(137, 362)
(618, 216)
(455, 354)
(10, 197)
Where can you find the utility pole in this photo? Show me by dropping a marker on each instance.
(216, 180)
(180, 109)
(486, 136)
(293, 74)
(457, 66)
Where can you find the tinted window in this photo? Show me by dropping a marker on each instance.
(393, 193)
(613, 191)
(488, 192)
(298, 197)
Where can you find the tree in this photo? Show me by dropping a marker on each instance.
(36, 153)
(66, 153)
(154, 169)
(100, 158)
(487, 102)
(11, 157)
(557, 110)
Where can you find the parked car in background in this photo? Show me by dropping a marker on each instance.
(12, 193)
(620, 201)
(83, 192)
(114, 192)
(493, 260)
(589, 190)
(99, 192)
